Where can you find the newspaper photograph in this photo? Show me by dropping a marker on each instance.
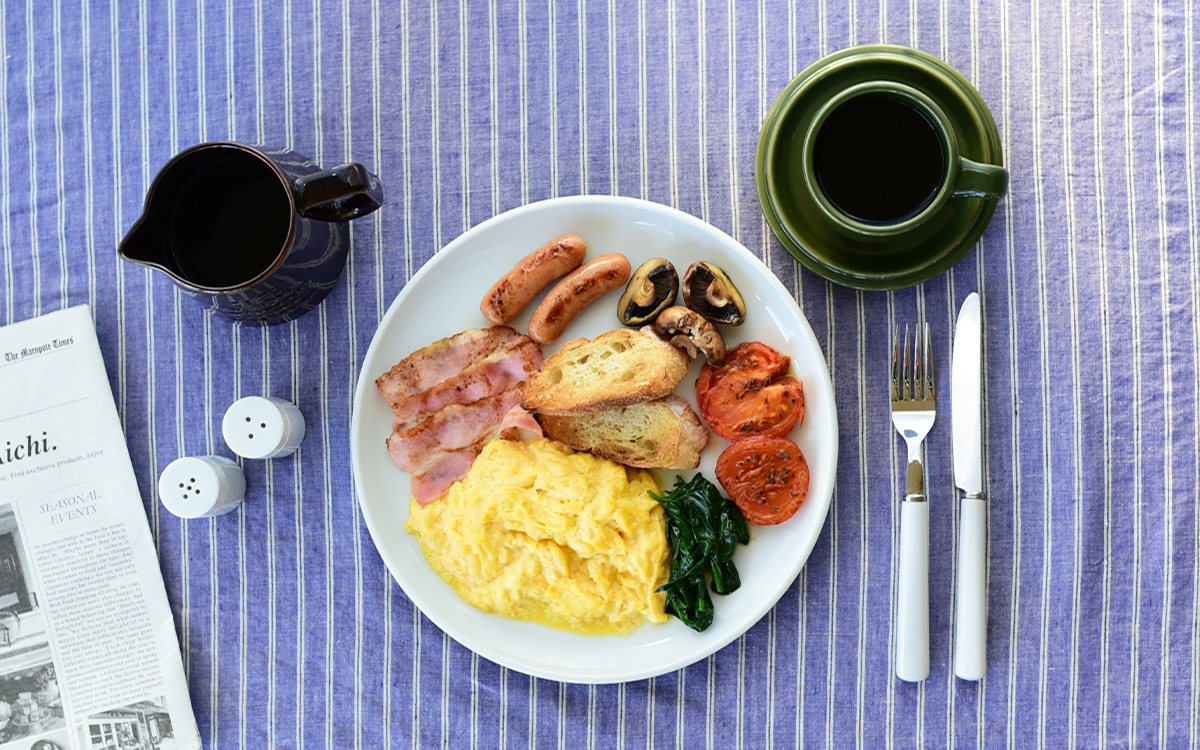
(76, 552)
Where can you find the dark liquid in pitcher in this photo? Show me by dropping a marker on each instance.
(229, 220)
(878, 160)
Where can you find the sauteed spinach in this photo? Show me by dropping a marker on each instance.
(703, 529)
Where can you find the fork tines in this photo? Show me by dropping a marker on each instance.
(912, 374)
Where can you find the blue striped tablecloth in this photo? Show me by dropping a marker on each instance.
(292, 632)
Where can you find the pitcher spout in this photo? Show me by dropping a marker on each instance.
(141, 245)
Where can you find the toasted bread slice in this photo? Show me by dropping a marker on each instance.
(662, 434)
(617, 368)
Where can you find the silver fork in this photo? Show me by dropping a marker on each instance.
(913, 412)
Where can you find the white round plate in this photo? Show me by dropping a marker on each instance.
(443, 298)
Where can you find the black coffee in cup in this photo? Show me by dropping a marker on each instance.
(879, 160)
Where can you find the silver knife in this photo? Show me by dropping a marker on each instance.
(970, 636)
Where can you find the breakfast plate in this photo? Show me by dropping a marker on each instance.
(442, 299)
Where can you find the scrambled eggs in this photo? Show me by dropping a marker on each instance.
(538, 532)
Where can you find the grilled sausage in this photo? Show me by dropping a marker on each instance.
(567, 299)
(515, 289)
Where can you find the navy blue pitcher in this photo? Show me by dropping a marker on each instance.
(252, 234)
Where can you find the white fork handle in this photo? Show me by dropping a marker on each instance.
(912, 615)
(970, 635)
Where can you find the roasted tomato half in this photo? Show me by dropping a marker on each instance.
(767, 477)
(751, 394)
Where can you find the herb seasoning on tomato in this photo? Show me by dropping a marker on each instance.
(767, 477)
(750, 394)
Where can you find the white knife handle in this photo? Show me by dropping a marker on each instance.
(912, 609)
(970, 636)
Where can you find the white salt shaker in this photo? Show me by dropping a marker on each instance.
(199, 486)
(262, 427)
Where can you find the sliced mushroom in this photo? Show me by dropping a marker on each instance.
(688, 330)
(651, 289)
(708, 291)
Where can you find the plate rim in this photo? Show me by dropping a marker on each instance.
(365, 381)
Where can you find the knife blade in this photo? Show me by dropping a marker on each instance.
(966, 404)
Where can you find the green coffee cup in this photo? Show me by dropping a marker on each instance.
(878, 167)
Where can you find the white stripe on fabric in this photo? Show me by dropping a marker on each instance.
(764, 103)
(533, 711)
(5, 189)
(894, 515)
(672, 106)
(523, 87)
(831, 655)
(406, 142)
(1106, 339)
(31, 123)
(1135, 318)
(702, 137)
(1014, 378)
(377, 167)
(1194, 245)
(59, 165)
(464, 108)
(731, 136)
(591, 721)
(652, 684)
(89, 179)
(552, 98)
(445, 691)
(493, 105)
(581, 20)
(620, 717)
(644, 104)
(301, 541)
(613, 159)
(1077, 404)
(1044, 368)
(864, 494)
(1168, 383)
(115, 135)
(914, 14)
(435, 110)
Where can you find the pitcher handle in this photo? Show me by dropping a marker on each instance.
(344, 192)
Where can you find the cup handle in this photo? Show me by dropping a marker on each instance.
(977, 180)
(345, 192)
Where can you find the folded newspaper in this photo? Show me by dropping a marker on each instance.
(89, 657)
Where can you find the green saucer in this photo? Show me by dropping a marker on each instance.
(803, 227)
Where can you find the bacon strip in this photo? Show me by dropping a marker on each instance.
(454, 428)
(516, 420)
(443, 359)
(494, 374)
(448, 469)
